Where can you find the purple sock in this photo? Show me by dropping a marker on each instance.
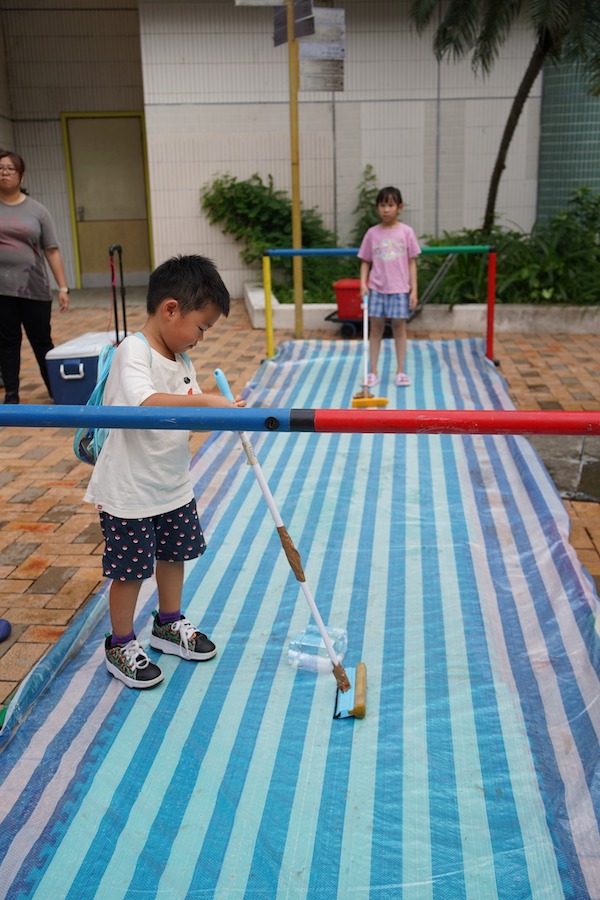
(121, 638)
(168, 618)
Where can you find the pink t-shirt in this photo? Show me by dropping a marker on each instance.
(389, 250)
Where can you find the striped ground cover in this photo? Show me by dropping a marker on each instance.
(446, 558)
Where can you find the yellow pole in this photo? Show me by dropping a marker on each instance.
(266, 267)
(294, 78)
(71, 193)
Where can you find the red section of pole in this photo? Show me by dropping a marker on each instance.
(491, 304)
(456, 421)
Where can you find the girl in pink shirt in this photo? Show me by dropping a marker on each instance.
(388, 272)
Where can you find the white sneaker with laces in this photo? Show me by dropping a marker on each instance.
(131, 664)
(181, 639)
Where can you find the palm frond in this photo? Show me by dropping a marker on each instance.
(577, 29)
(498, 18)
(421, 12)
(553, 16)
(566, 30)
(582, 46)
(458, 30)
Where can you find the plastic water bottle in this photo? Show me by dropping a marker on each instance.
(307, 650)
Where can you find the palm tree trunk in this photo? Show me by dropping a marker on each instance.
(541, 51)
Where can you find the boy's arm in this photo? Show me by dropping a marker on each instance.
(364, 276)
(412, 272)
(211, 401)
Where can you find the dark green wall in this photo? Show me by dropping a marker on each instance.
(569, 139)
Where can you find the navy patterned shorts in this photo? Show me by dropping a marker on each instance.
(132, 545)
(388, 306)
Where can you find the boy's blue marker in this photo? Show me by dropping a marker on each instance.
(223, 384)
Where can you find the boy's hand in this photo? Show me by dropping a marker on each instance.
(239, 402)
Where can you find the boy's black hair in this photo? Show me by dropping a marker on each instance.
(389, 192)
(191, 280)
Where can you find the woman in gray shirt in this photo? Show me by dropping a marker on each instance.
(27, 240)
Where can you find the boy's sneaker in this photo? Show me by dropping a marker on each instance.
(182, 639)
(131, 665)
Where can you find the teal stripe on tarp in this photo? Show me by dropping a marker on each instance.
(386, 858)
(231, 779)
(550, 780)
(326, 860)
(445, 829)
(298, 709)
(501, 819)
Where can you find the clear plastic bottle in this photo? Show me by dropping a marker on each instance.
(308, 651)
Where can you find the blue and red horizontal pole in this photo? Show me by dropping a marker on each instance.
(320, 421)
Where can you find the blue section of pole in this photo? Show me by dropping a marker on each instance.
(196, 419)
(314, 251)
(352, 251)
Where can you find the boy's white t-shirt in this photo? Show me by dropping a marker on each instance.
(143, 472)
(389, 250)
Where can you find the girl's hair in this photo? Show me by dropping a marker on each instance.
(17, 161)
(191, 280)
(389, 193)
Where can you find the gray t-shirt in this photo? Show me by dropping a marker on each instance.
(26, 230)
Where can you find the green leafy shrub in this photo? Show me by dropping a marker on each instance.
(365, 210)
(559, 262)
(260, 217)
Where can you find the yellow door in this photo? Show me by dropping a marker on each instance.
(109, 196)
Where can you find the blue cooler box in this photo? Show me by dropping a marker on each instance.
(73, 367)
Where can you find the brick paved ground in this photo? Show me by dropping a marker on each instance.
(50, 541)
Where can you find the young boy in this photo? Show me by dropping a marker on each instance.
(388, 265)
(141, 484)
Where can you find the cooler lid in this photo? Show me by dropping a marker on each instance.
(89, 344)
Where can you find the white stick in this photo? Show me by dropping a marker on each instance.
(365, 306)
(254, 463)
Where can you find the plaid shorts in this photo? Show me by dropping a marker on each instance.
(132, 545)
(388, 306)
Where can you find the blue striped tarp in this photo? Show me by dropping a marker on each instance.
(476, 772)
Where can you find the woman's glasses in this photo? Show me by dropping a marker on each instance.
(7, 170)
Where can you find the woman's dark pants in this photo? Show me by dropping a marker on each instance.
(34, 316)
